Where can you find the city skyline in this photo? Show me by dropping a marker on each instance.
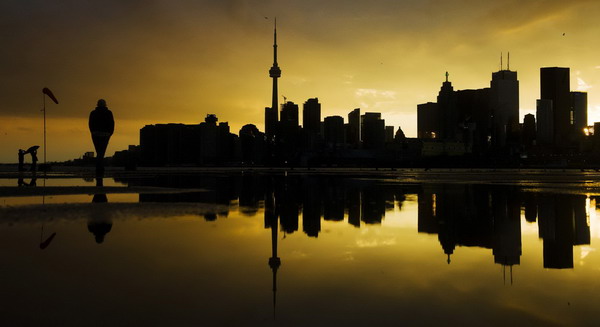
(357, 56)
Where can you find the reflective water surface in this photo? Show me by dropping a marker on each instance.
(256, 249)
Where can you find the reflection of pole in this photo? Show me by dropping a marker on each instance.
(44, 96)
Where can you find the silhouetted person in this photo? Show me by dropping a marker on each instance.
(34, 159)
(102, 126)
(21, 159)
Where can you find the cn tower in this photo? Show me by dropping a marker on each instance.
(271, 116)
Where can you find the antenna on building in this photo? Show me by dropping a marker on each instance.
(501, 61)
(508, 62)
(284, 98)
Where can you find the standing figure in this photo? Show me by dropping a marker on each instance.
(102, 126)
(34, 159)
(21, 159)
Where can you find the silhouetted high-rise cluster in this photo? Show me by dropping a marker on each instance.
(486, 121)
(180, 144)
(463, 127)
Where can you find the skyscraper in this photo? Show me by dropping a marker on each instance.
(504, 103)
(372, 130)
(289, 116)
(333, 131)
(448, 113)
(555, 86)
(528, 134)
(428, 121)
(545, 122)
(311, 115)
(579, 111)
(353, 130)
(275, 72)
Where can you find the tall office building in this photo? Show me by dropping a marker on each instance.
(271, 118)
(448, 114)
(545, 122)
(333, 130)
(555, 86)
(311, 115)
(504, 104)
(428, 121)
(353, 131)
(289, 116)
(372, 130)
(579, 111)
(389, 134)
(528, 133)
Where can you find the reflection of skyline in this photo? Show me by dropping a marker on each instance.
(463, 215)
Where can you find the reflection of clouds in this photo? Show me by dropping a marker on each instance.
(375, 243)
(585, 251)
(298, 254)
(594, 224)
(348, 256)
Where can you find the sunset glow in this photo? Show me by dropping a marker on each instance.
(176, 61)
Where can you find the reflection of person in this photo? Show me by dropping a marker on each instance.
(21, 182)
(99, 228)
(100, 223)
(102, 126)
(21, 159)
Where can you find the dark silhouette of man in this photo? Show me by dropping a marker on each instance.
(102, 126)
(21, 159)
(34, 159)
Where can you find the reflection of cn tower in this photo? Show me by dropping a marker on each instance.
(271, 220)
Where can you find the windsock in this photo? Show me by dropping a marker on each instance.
(47, 92)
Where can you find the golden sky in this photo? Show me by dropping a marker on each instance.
(178, 60)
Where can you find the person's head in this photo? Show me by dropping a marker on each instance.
(102, 103)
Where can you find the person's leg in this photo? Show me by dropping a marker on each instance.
(100, 144)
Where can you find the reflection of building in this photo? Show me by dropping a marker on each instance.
(563, 223)
(506, 211)
(462, 215)
(272, 222)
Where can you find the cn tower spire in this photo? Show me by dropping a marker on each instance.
(271, 114)
(275, 43)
